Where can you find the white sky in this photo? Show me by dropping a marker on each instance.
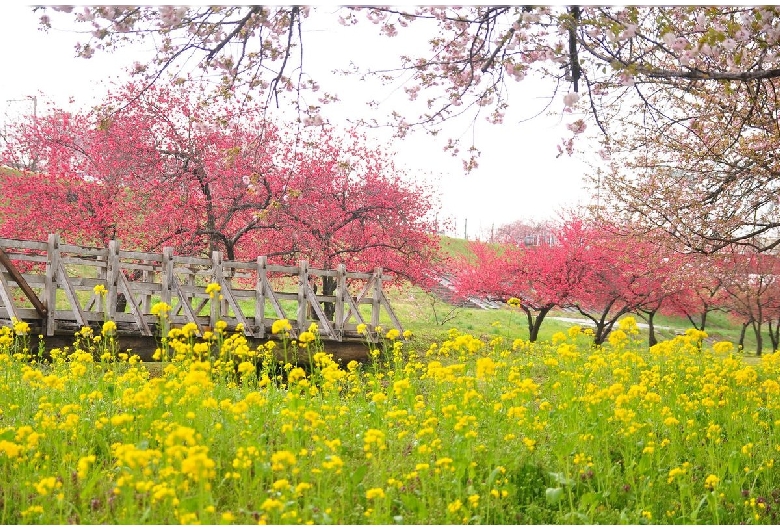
(518, 177)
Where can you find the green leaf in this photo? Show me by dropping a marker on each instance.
(553, 495)
(561, 479)
(358, 474)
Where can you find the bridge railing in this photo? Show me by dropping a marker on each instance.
(51, 285)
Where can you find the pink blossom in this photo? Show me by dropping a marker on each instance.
(626, 79)
(680, 43)
(571, 99)
(577, 127)
(743, 35)
(629, 32)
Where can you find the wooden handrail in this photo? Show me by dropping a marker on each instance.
(134, 278)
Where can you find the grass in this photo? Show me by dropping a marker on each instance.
(430, 319)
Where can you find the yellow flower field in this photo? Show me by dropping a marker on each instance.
(466, 431)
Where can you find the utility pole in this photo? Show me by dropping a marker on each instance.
(466, 229)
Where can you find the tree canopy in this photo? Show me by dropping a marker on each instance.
(165, 167)
(683, 98)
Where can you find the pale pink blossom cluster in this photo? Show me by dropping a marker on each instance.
(571, 99)
(172, 15)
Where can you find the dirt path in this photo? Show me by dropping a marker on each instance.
(589, 323)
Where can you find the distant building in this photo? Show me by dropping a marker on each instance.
(524, 233)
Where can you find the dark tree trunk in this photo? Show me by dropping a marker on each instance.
(774, 335)
(230, 251)
(535, 324)
(601, 333)
(651, 339)
(742, 335)
(759, 338)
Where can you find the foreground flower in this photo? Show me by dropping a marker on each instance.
(109, 328)
(281, 325)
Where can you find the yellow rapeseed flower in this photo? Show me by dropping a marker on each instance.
(280, 325)
(160, 309)
(306, 337)
(109, 328)
(213, 288)
(21, 327)
(83, 466)
(100, 289)
(375, 493)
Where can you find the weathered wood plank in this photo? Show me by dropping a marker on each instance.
(375, 307)
(326, 328)
(262, 279)
(19, 313)
(17, 277)
(303, 285)
(7, 297)
(142, 256)
(183, 302)
(112, 279)
(81, 262)
(393, 317)
(27, 258)
(135, 308)
(50, 289)
(187, 260)
(64, 282)
(341, 292)
(23, 244)
(167, 275)
(83, 251)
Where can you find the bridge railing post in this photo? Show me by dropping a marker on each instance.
(341, 293)
(262, 272)
(217, 277)
(50, 287)
(112, 278)
(376, 299)
(166, 282)
(303, 283)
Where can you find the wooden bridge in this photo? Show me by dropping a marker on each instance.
(51, 286)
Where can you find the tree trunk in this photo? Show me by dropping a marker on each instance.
(230, 251)
(651, 340)
(601, 333)
(774, 335)
(742, 335)
(759, 338)
(534, 324)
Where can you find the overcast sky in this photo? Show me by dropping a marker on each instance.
(518, 177)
